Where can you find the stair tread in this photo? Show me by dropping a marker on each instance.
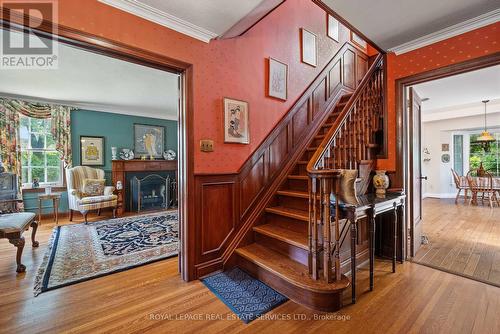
(289, 236)
(288, 269)
(302, 162)
(293, 193)
(289, 212)
(314, 148)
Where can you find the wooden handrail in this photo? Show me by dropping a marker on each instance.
(330, 135)
(348, 142)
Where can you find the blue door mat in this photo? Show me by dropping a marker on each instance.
(246, 296)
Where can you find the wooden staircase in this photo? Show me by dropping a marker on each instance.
(280, 254)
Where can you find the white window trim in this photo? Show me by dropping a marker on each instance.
(29, 185)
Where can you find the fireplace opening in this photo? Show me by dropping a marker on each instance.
(152, 192)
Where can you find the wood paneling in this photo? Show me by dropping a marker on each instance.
(222, 223)
(349, 70)
(278, 151)
(300, 121)
(361, 67)
(335, 79)
(216, 225)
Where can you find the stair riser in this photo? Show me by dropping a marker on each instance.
(297, 185)
(286, 222)
(295, 253)
(294, 202)
(300, 169)
(327, 302)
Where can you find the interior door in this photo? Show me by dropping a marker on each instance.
(414, 104)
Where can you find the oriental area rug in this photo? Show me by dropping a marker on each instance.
(81, 252)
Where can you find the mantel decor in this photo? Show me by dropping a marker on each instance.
(149, 140)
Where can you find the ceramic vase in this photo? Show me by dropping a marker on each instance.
(380, 182)
(114, 152)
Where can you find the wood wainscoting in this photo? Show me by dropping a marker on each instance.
(228, 205)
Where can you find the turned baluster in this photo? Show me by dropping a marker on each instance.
(313, 230)
(327, 248)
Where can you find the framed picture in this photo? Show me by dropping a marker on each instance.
(445, 147)
(91, 151)
(236, 129)
(358, 41)
(149, 140)
(278, 79)
(308, 46)
(332, 29)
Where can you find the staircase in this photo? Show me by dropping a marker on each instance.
(288, 242)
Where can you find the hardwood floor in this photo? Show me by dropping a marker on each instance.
(464, 239)
(154, 299)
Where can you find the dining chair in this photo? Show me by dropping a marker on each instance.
(482, 185)
(460, 184)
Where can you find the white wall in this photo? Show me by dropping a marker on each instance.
(434, 133)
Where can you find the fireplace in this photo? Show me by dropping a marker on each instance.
(152, 192)
(124, 171)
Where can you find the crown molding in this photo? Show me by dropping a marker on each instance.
(454, 30)
(165, 19)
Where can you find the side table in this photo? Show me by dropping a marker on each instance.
(55, 205)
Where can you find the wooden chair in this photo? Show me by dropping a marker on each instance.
(461, 184)
(482, 185)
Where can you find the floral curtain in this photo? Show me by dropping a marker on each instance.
(10, 150)
(60, 119)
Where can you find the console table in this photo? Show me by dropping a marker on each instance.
(370, 206)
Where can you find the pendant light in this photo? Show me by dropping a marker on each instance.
(485, 139)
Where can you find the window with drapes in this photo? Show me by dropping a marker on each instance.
(39, 157)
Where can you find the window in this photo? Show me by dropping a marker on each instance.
(458, 154)
(39, 158)
(491, 159)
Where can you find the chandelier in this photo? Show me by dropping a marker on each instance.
(485, 139)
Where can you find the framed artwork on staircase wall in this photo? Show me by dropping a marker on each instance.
(308, 47)
(278, 79)
(332, 28)
(236, 128)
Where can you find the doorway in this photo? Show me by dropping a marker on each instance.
(121, 52)
(436, 143)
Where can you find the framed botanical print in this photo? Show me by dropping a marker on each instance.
(308, 47)
(149, 140)
(360, 42)
(236, 129)
(278, 79)
(91, 151)
(332, 29)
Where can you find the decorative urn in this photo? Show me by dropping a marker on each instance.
(380, 182)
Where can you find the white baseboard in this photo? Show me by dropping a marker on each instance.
(440, 195)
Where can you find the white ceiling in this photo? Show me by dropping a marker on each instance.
(459, 90)
(201, 19)
(91, 81)
(390, 23)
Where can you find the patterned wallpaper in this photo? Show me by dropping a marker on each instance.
(223, 68)
(473, 44)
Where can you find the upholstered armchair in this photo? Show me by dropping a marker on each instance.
(83, 200)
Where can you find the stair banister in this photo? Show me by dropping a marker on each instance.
(345, 144)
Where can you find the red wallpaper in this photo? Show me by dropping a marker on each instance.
(473, 44)
(223, 68)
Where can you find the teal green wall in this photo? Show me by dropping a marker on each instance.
(117, 130)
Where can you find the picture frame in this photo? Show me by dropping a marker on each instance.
(445, 147)
(308, 42)
(149, 140)
(359, 41)
(236, 121)
(332, 27)
(92, 151)
(278, 79)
